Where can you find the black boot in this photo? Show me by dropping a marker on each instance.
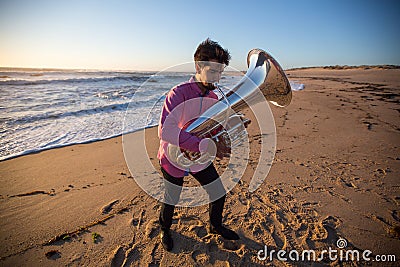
(223, 231)
(166, 240)
(165, 219)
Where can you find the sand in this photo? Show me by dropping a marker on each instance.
(335, 175)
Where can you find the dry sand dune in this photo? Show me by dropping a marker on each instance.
(335, 175)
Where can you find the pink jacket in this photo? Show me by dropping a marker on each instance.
(183, 103)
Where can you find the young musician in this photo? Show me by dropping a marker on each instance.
(184, 103)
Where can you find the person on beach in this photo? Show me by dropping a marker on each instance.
(189, 100)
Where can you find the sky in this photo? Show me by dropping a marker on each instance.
(154, 35)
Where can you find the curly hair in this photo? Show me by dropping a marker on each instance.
(210, 50)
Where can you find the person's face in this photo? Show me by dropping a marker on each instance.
(209, 72)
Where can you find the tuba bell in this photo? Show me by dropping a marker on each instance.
(222, 122)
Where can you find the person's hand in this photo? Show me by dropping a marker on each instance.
(222, 150)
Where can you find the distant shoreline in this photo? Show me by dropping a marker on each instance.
(70, 70)
(329, 67)
(347, 67)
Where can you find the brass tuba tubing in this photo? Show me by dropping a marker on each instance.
(264, 75)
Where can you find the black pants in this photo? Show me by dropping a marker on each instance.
(204, 177)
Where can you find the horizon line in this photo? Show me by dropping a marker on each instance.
(345, 66)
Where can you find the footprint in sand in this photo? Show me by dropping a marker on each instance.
(107, 208)
(279, 238)
(132, 256)
(212, 246)
(199, 230)
(117, 257)
(302, 230)
(157, 255)
(230, 245)
(326, 230)
(331, 221)
(200, 257)
(396, 215)
(244, 199)
(152, 229)
(137, 222)
(53, 254)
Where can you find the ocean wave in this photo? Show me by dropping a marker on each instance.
(56, 109)
(6, 155)
(79, 113)
(76, 80)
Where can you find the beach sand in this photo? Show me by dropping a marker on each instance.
(335, 175)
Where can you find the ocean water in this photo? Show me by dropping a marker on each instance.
(43, 109)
